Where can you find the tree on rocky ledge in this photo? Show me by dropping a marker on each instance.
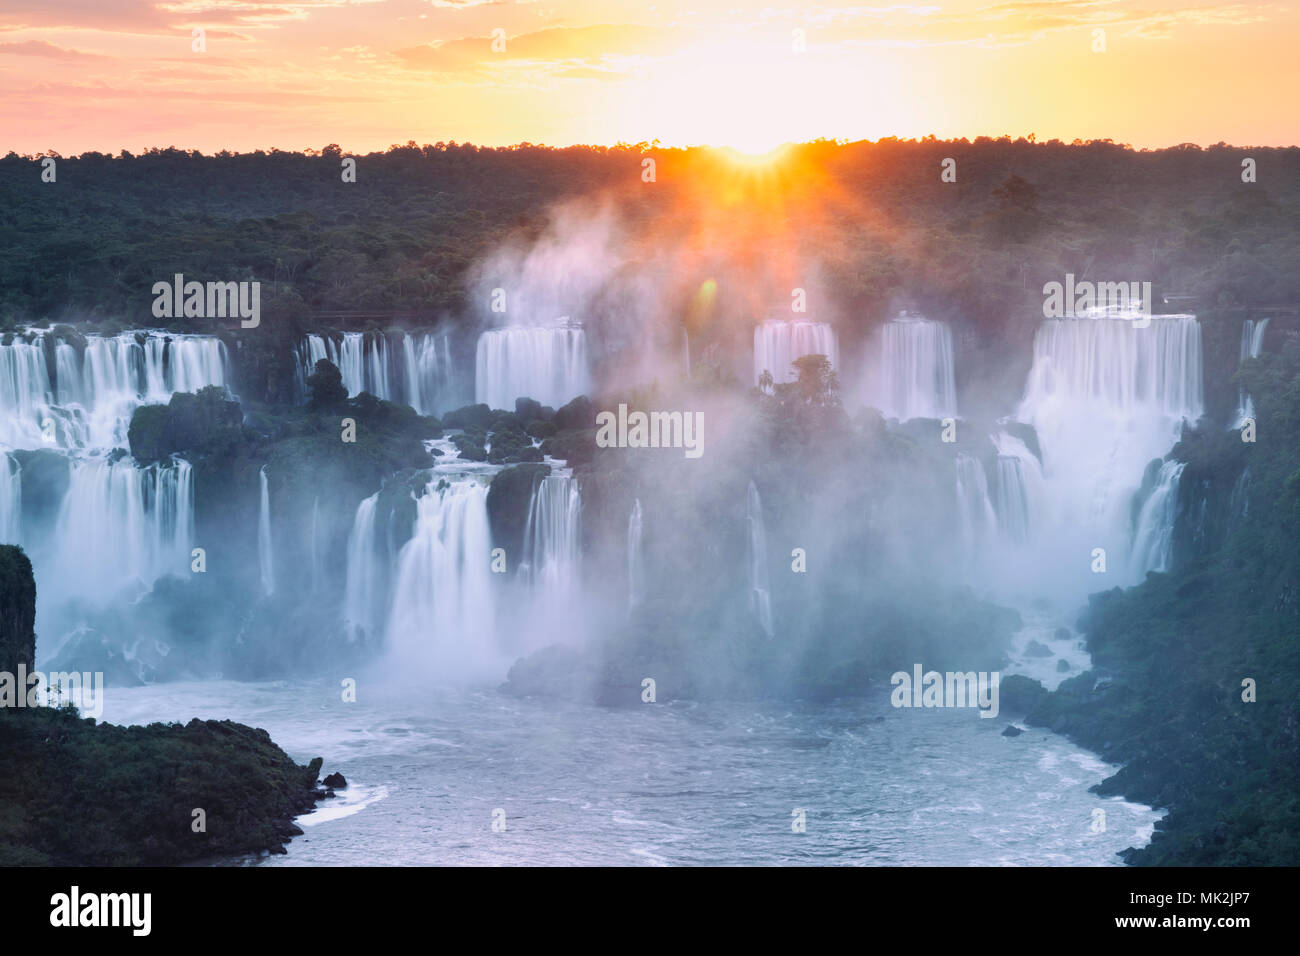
(326, 384)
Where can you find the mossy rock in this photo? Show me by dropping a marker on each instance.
(508, 499)
(469, 449)
(45, 476)
(578, 414)
(574, 447)
(190, 421)
(529, 410)
(541, 429)
(468, 415)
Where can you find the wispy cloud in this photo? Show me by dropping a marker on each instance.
(41, 48)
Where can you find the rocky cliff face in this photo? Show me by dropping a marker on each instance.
(77, 793)
(17, 609)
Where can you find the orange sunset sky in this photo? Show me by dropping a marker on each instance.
(106, 75)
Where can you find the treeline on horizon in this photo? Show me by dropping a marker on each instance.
(874, 218)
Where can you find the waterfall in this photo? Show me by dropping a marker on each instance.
(760, 598)
(117, 373)
(442, 605)
(549, 365)
(635, 558)
(265, 556)
(25, 394)
(1013, 499)
(552, 553)
(974, 507)
(1252, 346)
(121, 525)
(314, 547)
(1020, 492)
(1239, 501)
(1114, 364)
(777, 344)
(915, 376)
(1154, 530)
(364, 596)
(361, 360)
(311, 350)
(363, 364)
(11, 500)
(419, 373)
(430, 381)
(1105, 396)
(998, 519)
(89, 399)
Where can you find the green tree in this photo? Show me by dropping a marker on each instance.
(326, 384)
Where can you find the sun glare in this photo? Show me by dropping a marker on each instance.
(755, 156)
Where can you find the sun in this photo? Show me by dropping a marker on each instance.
(755, 154)
(732, 95)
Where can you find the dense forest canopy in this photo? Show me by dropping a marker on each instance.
(871, 223)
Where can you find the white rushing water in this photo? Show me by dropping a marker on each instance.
(419, 372)
(979, 522)
(760, 595)
(1252, 346)
(778, 343)
(430, 377)
(1153, 532)
(315, 545)
(437, 604)
(365, 597)
(11, 500)
(265, 552)
(999, 510)
(427, 770)
(913, 372)
(547, 364)
(1106, 396)
(635, 558)
(443, 605)
(119, 525)
(118, 529)
(1012, 507)
(85, 398)
(552, 542)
